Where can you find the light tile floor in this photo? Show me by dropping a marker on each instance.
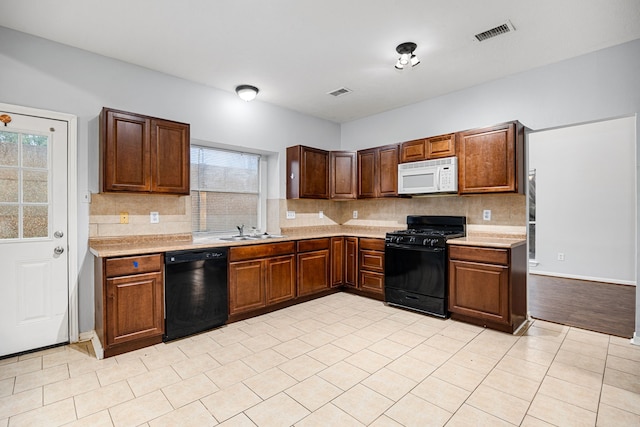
(340, 360)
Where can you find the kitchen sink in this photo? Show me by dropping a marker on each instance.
(258, 237)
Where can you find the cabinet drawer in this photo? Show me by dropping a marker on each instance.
(313, 244)
(488, 255)
(371, 260)
(126, 266)
(372, 244)
(239, 253)
(372, 281)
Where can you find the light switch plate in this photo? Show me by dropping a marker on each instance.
(154, 217)
(321, 214)
(291, 214)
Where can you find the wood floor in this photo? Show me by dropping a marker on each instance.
(601, 307)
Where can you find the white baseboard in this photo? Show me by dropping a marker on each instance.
(636, 339)
(587, 278)
(95, 341)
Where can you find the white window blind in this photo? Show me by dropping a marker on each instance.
(225, 189)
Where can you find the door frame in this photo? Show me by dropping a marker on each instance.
(72, 205)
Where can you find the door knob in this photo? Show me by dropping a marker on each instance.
(58, 234)
(58, 250)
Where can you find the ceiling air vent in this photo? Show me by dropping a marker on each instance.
(507, 27)
(339, 92)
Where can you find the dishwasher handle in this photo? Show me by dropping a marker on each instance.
(178, 257)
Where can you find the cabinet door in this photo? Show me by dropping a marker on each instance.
(337, 261)
(343, 175)
(388, 171)
(134, 307)
(367, 177)
(124, 142)
(170, 157)
(280, 280)
(246, 286)
(351, 261)
(313, 272)
(441, 146)
(487, 160)
(413, 151)
(314, 173)
(479, 290)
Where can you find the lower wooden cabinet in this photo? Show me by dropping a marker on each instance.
(337, 261)
(261, 275)
(351, 261)
(129, 302)
(371, 260)
(313, 266)
(487, 286)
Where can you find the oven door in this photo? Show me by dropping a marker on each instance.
(415, 278)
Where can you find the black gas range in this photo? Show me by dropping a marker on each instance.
(416, 262)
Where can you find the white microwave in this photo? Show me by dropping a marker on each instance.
(428, 176)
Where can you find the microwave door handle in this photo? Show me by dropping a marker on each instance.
(438, 179)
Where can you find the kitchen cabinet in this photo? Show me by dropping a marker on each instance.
(487, 286)
(142, 154)
(129, 302)
(378, 172)
(343, 175)
(337, 261)
(371, 261)
(314, 266)
(307, 173)
(260, 275)
(491, 160)
(428, 148)
(351, 261)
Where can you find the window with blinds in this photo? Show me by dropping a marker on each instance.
(225, 190)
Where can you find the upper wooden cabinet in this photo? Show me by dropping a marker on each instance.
(428, 148)
(143, 154)
(491, 160)
(307, 173)
(378, 172)
(343, 175)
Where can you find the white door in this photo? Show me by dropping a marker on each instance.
(34, 302)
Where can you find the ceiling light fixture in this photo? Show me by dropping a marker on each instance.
(247, 92)
(407, 58)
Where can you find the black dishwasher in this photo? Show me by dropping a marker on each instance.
(195, 291)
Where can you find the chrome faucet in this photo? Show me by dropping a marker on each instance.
(240, 229)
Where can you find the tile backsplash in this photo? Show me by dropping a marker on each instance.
(506, 210)
(105, 210)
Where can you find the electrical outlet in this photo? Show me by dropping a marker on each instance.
(124, 217)
(355, 214)
(291, 214)
(560, 256)
(321, 214)
(154, 217)
(486, 214)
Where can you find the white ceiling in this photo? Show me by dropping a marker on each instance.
(296, 51)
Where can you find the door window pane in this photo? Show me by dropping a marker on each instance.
(9, 222)
(8, 148)
(24, 185)
(9, 189)
(35, 151)
(35, 221)
(35, 188)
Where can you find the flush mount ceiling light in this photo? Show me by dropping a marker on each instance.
(247, 92)
(407, 58)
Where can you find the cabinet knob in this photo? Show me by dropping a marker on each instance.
(292, 176)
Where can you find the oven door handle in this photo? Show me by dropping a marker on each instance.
(414, 247)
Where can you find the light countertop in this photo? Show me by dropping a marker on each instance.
(488, 241)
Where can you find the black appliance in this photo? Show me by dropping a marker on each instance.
(415, 265)
(195, 289)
